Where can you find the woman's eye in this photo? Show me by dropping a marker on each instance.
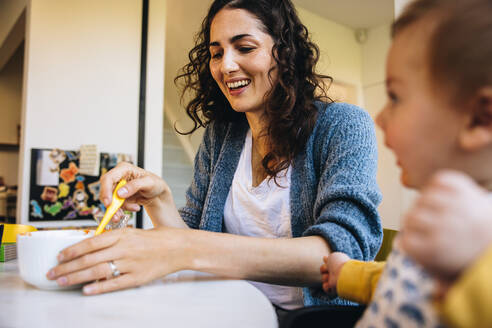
(246, 49)
(216, 55)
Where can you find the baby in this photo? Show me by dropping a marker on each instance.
(438, 122)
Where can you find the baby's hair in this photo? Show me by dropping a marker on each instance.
(460, 46)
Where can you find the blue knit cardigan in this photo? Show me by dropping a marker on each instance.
(333, 191)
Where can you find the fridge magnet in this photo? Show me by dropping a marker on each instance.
(70, 215)
(68, 203)
(57, 156)
(94, 189)
(80, 199)
(53, 209)
(85, 211)
(36, 210)
(68, 175)
(49, 194)
(64, 189)
(71, 156)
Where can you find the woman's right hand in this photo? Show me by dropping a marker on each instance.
(143, 188)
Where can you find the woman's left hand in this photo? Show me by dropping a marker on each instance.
(140, 256)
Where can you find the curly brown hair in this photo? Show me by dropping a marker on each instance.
(290, 109)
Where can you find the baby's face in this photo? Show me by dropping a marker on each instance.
(420, 125)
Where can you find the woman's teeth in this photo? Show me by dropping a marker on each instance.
(238, 84)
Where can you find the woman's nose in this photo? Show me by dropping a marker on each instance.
(229, 63)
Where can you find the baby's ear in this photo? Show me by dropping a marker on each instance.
(478, 132)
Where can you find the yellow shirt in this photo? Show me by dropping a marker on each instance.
(469, 301)
(358, 280)
(467, 304)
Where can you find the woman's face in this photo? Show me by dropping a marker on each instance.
(241, 57)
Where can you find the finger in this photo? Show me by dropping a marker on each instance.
(414, 246)
(418, 221)
(109, 180)
(143, 185)
(326, 287)
(325, 259)
(325, 277)
(323, 268)
(96, 272)
(436, 200)
(82, 263)
(118, 216)
(131, 206)
(89, 245)
(122, 282)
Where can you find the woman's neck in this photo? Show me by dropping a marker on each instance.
(256, 123)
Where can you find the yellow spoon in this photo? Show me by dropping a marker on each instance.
(116, 203)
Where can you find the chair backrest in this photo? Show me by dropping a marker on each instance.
(388, 237)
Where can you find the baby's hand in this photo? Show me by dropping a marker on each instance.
(330, 271)
(449, 225)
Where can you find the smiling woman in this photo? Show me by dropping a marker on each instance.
(282, 178)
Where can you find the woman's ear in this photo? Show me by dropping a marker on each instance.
(477, 133)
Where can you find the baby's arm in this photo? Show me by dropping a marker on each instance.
(350, 279)
(449, 226)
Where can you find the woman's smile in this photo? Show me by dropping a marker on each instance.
(237, 86)
(241, 59)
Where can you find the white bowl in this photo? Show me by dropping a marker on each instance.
(37, 252)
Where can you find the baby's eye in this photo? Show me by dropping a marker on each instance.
(392, 97)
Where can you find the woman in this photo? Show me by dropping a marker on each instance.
(275, 163)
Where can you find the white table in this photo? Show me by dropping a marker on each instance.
(185, 299)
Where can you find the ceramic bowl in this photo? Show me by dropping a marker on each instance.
(37, 252)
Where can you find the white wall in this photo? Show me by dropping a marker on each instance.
(340, 52)
(81, 80)
(374, 53)
(179, 40)
(399, 5)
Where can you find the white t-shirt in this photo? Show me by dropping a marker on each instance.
(262, 211)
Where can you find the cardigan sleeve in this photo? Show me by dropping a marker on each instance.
(345, 209)
(196, 194)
